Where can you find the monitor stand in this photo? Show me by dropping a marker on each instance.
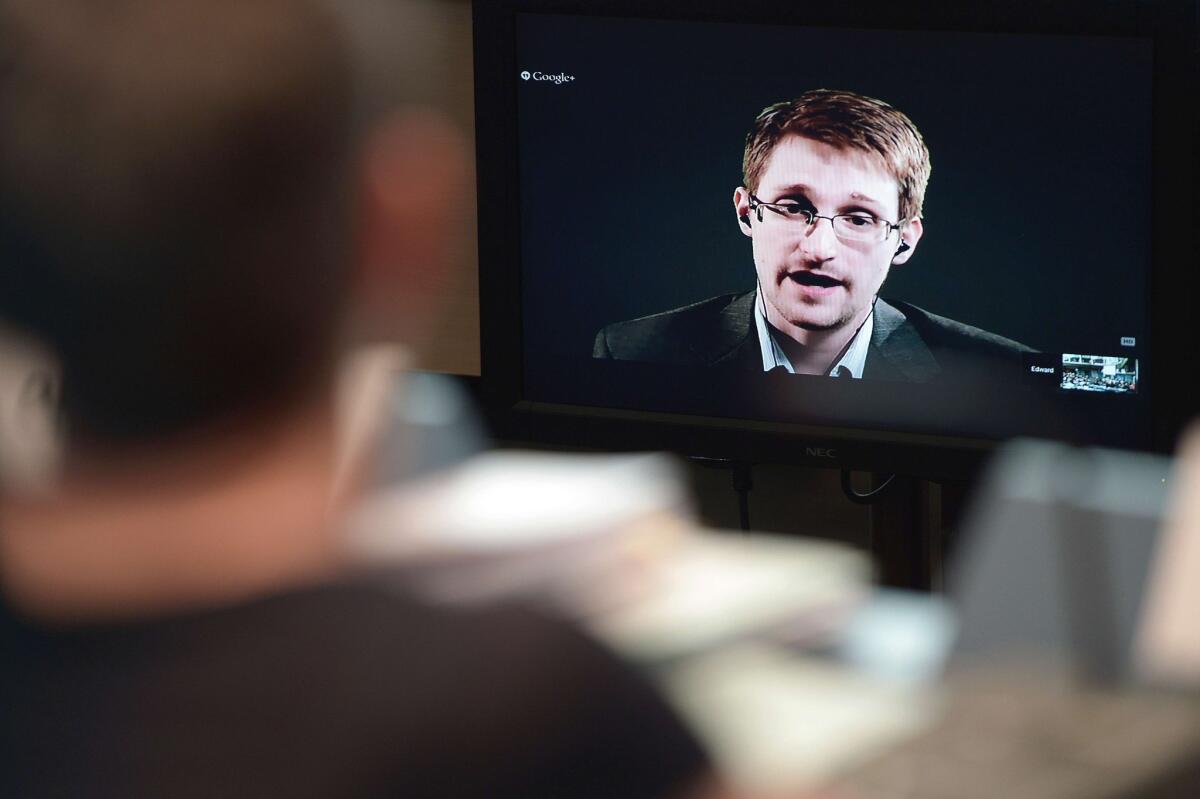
(911, 531)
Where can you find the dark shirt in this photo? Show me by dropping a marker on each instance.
(347, 690)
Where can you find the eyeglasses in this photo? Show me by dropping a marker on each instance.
(859, 226)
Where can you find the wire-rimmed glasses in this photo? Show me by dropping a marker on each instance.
(857, 226)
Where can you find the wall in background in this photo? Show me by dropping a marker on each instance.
(453, 345)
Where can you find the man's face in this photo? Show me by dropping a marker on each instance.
(811, 280)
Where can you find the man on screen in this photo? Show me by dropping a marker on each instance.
(833, 184)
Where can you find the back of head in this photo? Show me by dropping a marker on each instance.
(177, 203)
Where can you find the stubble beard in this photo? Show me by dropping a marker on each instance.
(800, 315)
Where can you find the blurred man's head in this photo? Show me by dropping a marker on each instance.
(196, 192)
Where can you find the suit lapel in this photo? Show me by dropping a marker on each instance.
(897, 351)
(736, 341)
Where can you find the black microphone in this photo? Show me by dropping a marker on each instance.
(903, 247)
(745, 219)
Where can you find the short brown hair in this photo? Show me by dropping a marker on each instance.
(844, 119)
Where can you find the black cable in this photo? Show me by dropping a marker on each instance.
(743, 481)
(867, 498)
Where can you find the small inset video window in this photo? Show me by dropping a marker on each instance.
(1112, 374)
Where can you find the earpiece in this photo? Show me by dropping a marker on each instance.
(902, 248)
(745, 219)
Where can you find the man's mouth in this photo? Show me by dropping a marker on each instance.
(814, 280)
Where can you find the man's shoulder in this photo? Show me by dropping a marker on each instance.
(390, 622)
(504, 667)
(701, 333)
(942, 333)
(382, 669)
(912, 344)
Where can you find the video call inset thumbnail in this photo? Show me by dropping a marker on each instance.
(1106, 373)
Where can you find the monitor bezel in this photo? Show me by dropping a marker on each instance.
(1170, 24)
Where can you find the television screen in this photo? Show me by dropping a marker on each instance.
(947, 233)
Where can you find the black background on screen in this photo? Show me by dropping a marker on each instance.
(627, 173)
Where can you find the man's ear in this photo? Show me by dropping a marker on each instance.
(741, 206)
(910, 234)
(413, 197)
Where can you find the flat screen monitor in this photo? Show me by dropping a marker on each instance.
(863, 235)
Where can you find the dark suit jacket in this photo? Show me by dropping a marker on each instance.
(908, 343)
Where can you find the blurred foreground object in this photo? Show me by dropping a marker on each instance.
(30, 445)
(608, 539)
(396, 424)
(775, 650)
(1169, 639)
(792, 669)
(1056, 557)
(1042, 698)
(1021, 732)
(522, 524)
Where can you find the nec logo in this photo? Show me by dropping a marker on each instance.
(820, 452)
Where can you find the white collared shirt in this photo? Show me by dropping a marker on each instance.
(852, 362)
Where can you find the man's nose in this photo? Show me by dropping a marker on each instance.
(819, 242)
